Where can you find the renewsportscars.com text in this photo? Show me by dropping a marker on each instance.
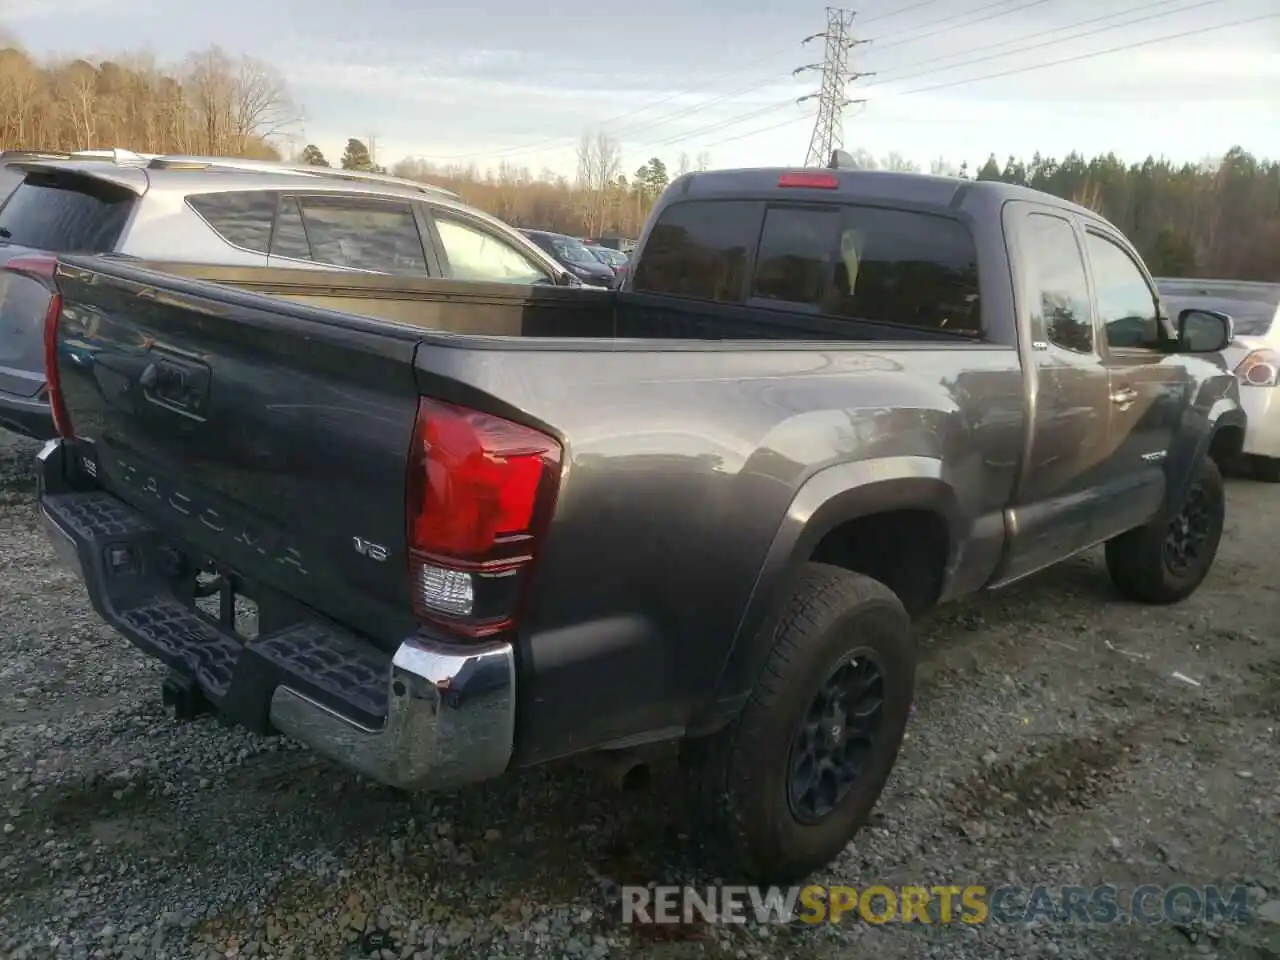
(943, 904)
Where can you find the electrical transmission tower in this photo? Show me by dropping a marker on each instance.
(828, 128)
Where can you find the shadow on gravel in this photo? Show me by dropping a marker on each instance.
(1070, 773)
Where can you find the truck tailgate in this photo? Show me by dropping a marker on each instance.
(273, 444)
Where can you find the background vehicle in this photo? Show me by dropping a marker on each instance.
(621, 244)
(1255, 355)
(610, 258)
(523, 523)
(573, 255)
(237, 213)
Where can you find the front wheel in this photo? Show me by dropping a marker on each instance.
(1166, 560)
(781, 791)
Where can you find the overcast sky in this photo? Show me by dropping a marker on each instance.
(504, 80)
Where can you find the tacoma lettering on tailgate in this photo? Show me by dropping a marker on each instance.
(220, 522)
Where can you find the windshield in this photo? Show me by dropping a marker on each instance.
(574, 252)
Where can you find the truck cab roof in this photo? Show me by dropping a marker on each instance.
(872, 186)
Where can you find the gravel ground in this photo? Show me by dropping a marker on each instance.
(1052, 744)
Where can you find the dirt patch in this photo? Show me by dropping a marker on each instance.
(1062, 775)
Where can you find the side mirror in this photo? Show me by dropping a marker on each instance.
(1204, 331)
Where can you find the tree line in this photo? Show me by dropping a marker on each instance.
(1218, 217)
(211, 103)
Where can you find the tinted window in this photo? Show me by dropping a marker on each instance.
(796, 249)
(1059, 284)
(243, 219)
(365, 234)
(699, 249)
(915, 269)
(1126, 304)
(290, 238)
(65, 214)
(476, 254)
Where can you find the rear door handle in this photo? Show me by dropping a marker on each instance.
(1124, 396)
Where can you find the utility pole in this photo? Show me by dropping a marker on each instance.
(828, 128)
(373, 150)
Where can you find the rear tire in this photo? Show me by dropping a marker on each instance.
(1166, 560)
(757, 813)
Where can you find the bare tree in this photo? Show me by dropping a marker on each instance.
(234, 101)
(599, 166)
(897, 162)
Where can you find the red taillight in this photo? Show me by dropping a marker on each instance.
(479, 493)
(43, 267)
(818, 181)
(53, 380)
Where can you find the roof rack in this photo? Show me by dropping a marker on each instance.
(178, 162)
(115, 154)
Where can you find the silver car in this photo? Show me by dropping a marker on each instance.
(233, 213)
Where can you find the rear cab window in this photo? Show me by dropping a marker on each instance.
(842, 262)
(699, 249)
(66, 213)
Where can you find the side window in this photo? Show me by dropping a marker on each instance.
(290, 238)
(698, 249)
(1058, 282)
(1126, 305)
(364, 234)
(797, 247)
(907, 268)
(241, 218)
(476, 254)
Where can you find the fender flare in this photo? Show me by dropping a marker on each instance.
(830, 498)
(1224, 414)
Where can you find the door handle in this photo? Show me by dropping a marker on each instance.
(1124, 395)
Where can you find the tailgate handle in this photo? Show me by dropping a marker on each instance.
(180, 386)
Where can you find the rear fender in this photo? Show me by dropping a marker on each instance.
(829, 498)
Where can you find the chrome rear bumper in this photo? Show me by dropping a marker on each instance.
(430, 716)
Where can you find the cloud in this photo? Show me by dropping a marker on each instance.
(23, 12)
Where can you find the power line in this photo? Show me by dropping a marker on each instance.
(732, 121)
(1038, 66)
(751, 133)
(939, 28)
(549, 141)
(828, 126)
(899, 12)
(728, 122)
(1033, 36)
(630, 129)
(1079, 57)
(1058, 40)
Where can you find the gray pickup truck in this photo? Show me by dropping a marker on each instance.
(449, 529)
